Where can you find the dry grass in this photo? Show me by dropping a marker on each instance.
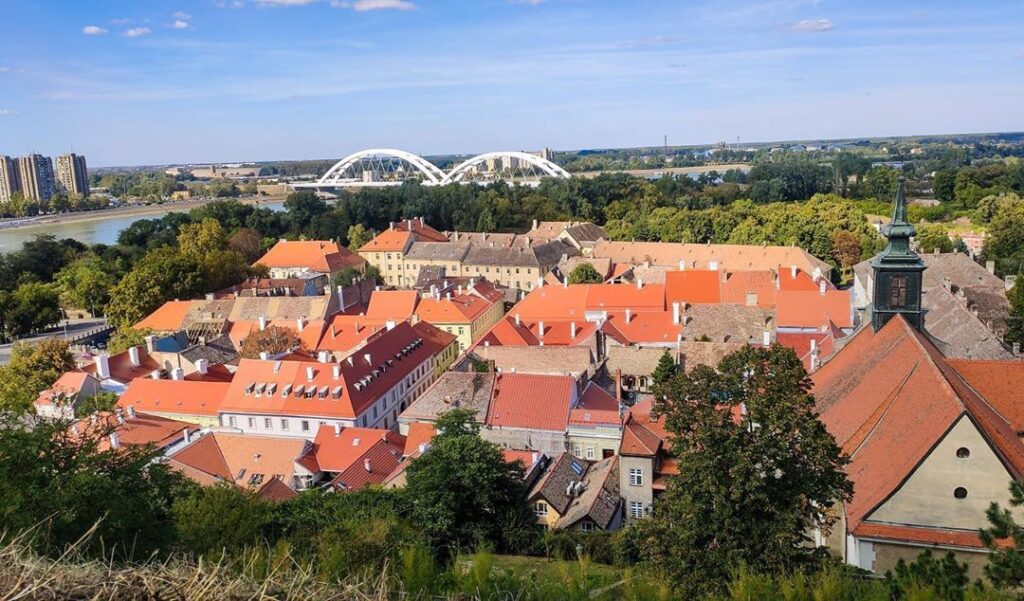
(25, 575)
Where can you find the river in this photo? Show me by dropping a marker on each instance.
(102, 230)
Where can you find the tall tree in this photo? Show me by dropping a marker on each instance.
(274, 340)
(84, 284)
(246, 242)
(32, 369)
(585, 273)
(665, 369)
(358, 235)
(752, 483)
(464, 493)
(1006, 562)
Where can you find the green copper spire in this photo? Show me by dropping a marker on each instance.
(897, 271)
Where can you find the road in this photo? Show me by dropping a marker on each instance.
(75, 326)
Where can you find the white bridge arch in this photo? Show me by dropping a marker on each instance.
(377, 167)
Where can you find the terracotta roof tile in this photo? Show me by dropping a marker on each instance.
(323, 256)
(244, 460)
(596, 406)
(531, 401)
(693, 286)
(174, 396)
(169, 317)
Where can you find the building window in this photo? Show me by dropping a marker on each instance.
(898, 290)
(590, 452)
(305, 426)
(636, 476)
(960, 492)
(231, 421)
(636, 509)
(963, 452)
(540, 509)
(587, 526)
(266, 423)
(577, 450)
(284, 425)
(252, 423)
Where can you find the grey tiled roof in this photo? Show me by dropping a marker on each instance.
(437, 251)
(454, 390)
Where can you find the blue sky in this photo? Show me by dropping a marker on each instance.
(163, 81)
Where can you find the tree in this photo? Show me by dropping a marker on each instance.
(585, 273)
(485, 223)
(162, 274)
(98, 403)
(665, 369)
(274, 340)
(945, 180)
(84, 284)
(752, 484)
(32, 307)
(846, 249)
(60, 483)
(1006, 562)
(358, 236)
(247, 243)
(462, 491)
(880, 183)
(946, 577)
(303, 209)
(125, 338)
(202, 238)
(32, 369)
(220, 518)
(931, 237)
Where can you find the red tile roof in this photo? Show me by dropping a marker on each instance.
(346, 396)
(123, 370)
(174, 396)
(527, 333)
(693, 286)
(648, 328)
(919, 534)
(643, 433)
(68, 385)
(999, 382)
(346, 332)
(531, 401)
(398, 236)
(348, 452)
(596, 407)
(738, 284)
(169, 317)
(316, 255)
(143, 429)
(461, 308)
(572, 302)
(888, 397)
(811, 309)
(420, 433)
(245, 460)
(392, 304)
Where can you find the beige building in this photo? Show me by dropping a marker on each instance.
(10, 178)
(72, 175)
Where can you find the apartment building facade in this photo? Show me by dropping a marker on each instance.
(10, 178)
(37, 181)
(72, 175)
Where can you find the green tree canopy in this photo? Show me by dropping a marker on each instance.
(85, 284)
(32, 369)
(585, 273)
(751, 485)
(665, 369)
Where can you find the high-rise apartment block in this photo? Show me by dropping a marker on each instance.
(72, 175)
(37, 181)
(10, 178)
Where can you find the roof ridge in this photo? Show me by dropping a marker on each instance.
(915, 337)
(876, 416)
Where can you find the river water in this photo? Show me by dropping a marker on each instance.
(95, 231)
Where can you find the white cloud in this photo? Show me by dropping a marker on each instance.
(367, 5)
(5, 69)
(93, 30)
(285, 2)
(182, 15)
(179, 24)
(136, 32)
(5, 112)
(812, 25)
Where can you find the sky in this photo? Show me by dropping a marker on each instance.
(145, 82)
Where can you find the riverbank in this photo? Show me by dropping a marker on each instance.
(745, 167)
(22, 223)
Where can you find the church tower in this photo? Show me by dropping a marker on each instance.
(897, 272)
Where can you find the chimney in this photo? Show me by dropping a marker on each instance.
(150, 343)
(186, 435)
(366, 465)
(341, 297)
(115, 441)
(792, 272)
(300, 323)
(821, 286)
(337, 430)
(517, 319)
(177, 374)
(572, 330)
(534, 224)
(390, 324)
(990, 266)
(264, 356)
(618, 387)
(336, 371)
(713, 265)
(133, 356)
(423, 447)
(102, 366)
(540, 329)
(639, 283)
(682, 264)
(155, 374)
(263, 322)
(202, 366)
(675, 313)
(629, 315)
(310, 373)
(131, 412)
(766, 338)
(814, 346)
(323, 356)
(408, 223)
(421, 221)
(391, 225)
(1016, 348)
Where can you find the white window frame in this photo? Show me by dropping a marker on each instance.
(636, 476)
(636, 509)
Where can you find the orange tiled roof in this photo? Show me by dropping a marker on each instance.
(693, 286)
(919, 534)
(169, 317)
(388, 241)
(350, 394)
(174, 396)
(69, 384)
(310, 335)
(795, 280)
(811, 309)
(420, 433)
(348, 452)
(738, 284)
(700, 256)
(643, 434)
(888, 397)
(245, 460)
(530, 401)
(999, 382)
(573, 301)
(322, 256)
(527, 333)
(346, 332)
(123, 370)
(643, 328)
(596, 406)
(460, 308)
(143, 429)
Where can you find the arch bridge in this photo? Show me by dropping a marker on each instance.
(381, 167)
